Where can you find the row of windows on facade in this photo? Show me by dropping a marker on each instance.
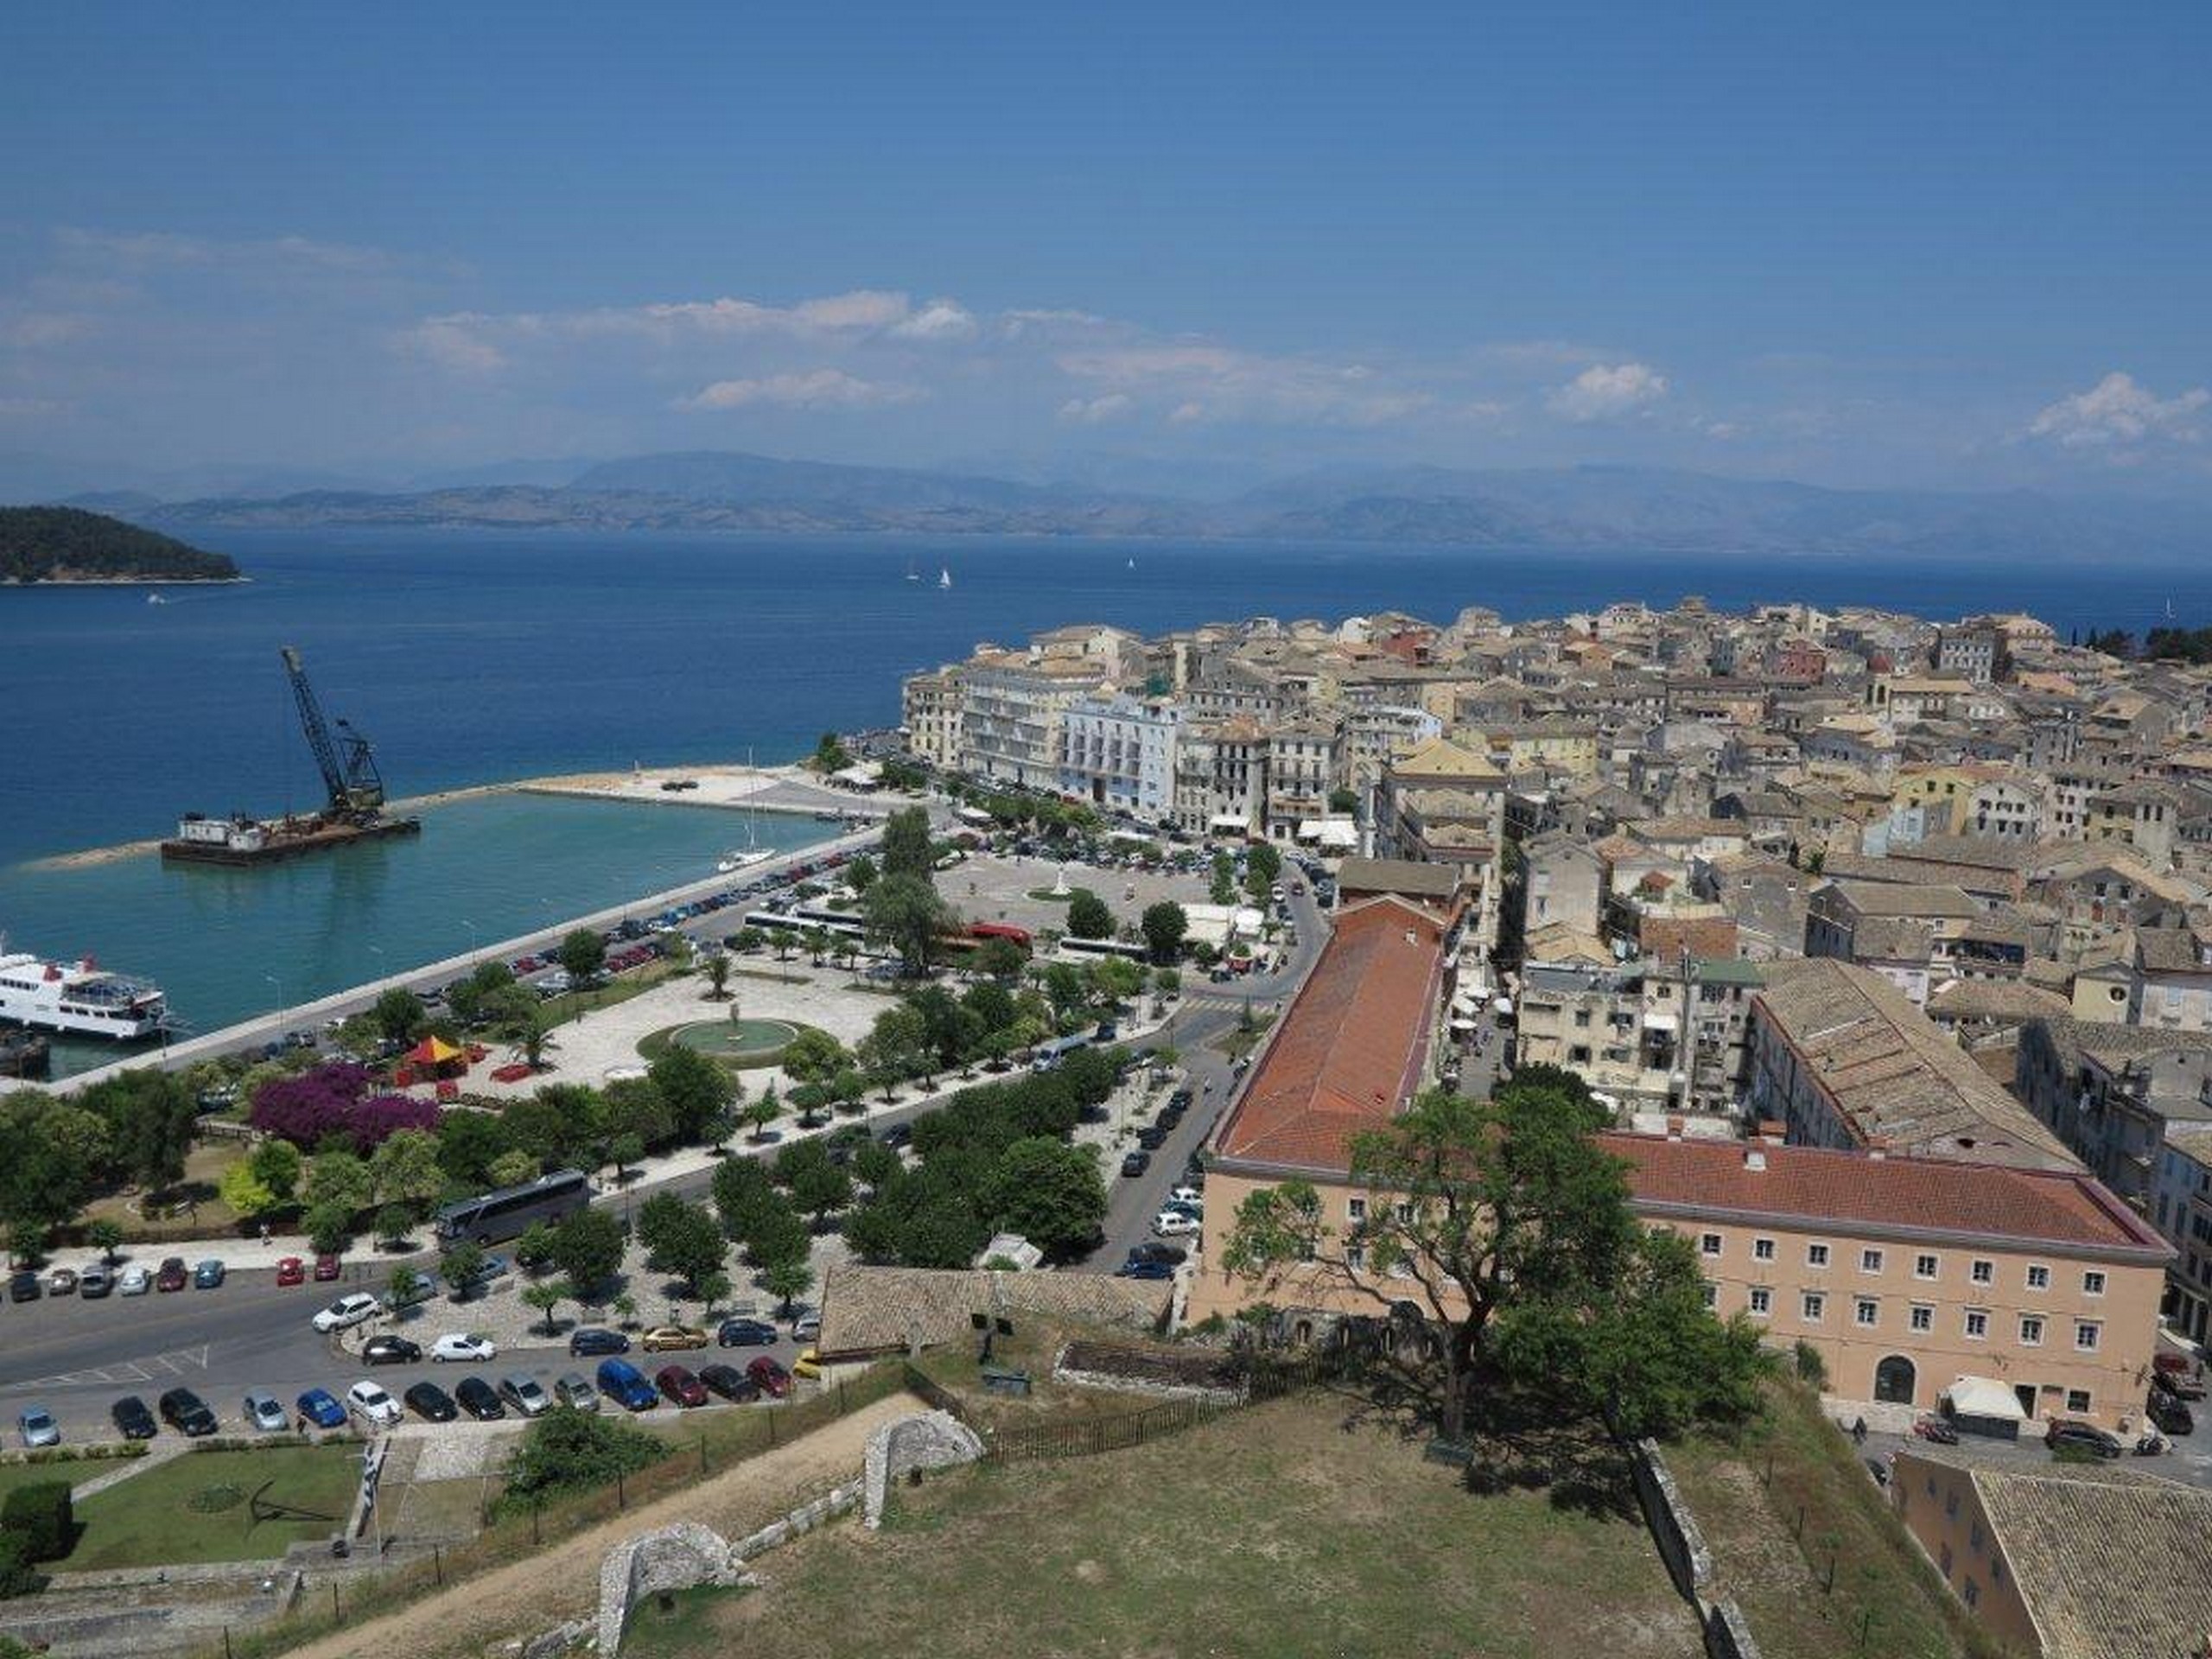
(1926, 1264)
(1866, 1312)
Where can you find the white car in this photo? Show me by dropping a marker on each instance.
(371, 1404)
(1186, 1195)
(463, 1345)
(347, 1312)
(1171, 1224)
(133, 1281)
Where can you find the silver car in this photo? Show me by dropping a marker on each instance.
(264, 1415)
(38, 1429)
(525, 1394)
(575, 1392)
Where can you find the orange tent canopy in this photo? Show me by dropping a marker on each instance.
(433, 1051)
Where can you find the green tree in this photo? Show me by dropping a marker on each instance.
(278, 1166)
(861, 873)
(398, 1015)
(1262, 868)
(1088, 917)
(624, 1151)
(567, 1451)
(818, 1186)
(635, 1106)
(1163, 925)
(875, 1163)
(406, 1288)
(787, 1280)
(151, 1119)
(515, 1168)
(718, 977)
(904, 913)
(340, 1179)
(105, 1237)
(1344, 802)
(394, 1223)
(742, 1192)
(248, 1198)
(587, 1248)
(813, 1056)
(1052, 1193)
(908, 849)
(582, 953)
(896, 1046)
(1506, 1223)
(695, 1091)
(762, 1111)
(404, 1172)
(1222, 889)
(547, 1298)
(329, 1228)
(1165, 981)
(830, 755)
(999, 959)
(681, 1238)
(460, 1265)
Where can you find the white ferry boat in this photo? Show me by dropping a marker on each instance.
(79, 999)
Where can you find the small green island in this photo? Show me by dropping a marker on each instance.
(67, 544)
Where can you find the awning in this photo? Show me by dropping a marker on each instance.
(1236, 821)
(1135, 838)
(1462, 1023)
(433, 1051)
(1659, 1022)
(1983, 1396)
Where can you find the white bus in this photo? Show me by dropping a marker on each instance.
(1090, 950)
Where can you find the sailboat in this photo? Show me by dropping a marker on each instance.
(155, 598)
(913, 574)
(1132, 564)
(943, 577)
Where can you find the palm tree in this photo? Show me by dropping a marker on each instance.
(536, 1039)
(817, 944)
(717, 977)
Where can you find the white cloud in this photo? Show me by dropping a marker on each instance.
(1607, 391)
(1206, 382)
(1095, 411)
(452, 343)
(939, 320)
(818, 389)
(2118, 413)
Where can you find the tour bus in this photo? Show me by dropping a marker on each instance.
(1127, 948)
(492, 1217)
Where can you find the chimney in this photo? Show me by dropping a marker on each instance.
(1755, 1157)
(1674, 1127)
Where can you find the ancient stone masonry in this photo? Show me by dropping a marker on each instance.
(676, 1557)
(933, 1440)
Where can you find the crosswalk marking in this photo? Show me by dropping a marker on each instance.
(176, 1362)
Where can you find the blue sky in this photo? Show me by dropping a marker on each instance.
(1961, 245)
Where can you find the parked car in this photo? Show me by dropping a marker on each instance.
(1189, 1195)
(207, 1274)
(2065, 1432)
(327, 1268)
(1152, 1137)
(95, 1282)
(346, 1311)
(38, 1429)
(186, 1412)
(1174, 1224)
(1159, 1270)
(463, 1345)
(745, 1333)
(479, 1399)
(319, 1408)
(525, 1394)
(431, 1403)
(668, 1337)
(2178, 1376)
(61, 1282)
(806, 1327)
(729, 1382)
(1173, 1256)
(2171, 1413)
(574, 1391)
(372, 1405)
(23, 1286)
(290, 1271)
(133, 1280)
(389, 1349)
(1135, 1163)
(771, 1378)
(678, 1383)
(132, 1421)
(171, 1275)
(625, 1384)
(808, 1364)
(592, 1340)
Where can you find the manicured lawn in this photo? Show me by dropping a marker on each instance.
(75, 1470)
(199, 1507)
(1290, 1528)
(1748, 1491)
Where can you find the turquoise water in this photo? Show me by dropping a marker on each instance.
(228, 943)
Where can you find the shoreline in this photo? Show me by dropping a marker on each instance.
(738, 786)
(128, 581)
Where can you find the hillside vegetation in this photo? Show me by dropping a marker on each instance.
(69, 544)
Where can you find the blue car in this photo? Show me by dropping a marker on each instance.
(1144, 1270)
(745, 1333)
(624, 1383)
(319, 1408)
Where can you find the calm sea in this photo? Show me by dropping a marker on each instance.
(477, 658)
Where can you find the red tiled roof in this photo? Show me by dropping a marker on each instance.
(1817, 1185)
(1348, 1052)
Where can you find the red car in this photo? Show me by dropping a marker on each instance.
(326, 1268)
(678, 1383)
(291, 1271)
(775, 1381)
(172, 1274)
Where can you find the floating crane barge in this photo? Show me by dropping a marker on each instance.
(353, 810)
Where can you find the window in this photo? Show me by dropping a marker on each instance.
(1923, 1266)
(1984, 1272)
(1582, 1018)
(1977, 1322)
(1356, 1258)
(1711, 1294)
(1869, 1260)
(1761, 1250)
(1356, 1209)
(2093, 1283)
(1814, 1304)
(2077, 1400)
(1761, 1300)
(1406, 1214)
(1816, 1255)
(2086, 1334)
(1997, 1571)
(1973, 1538)
(1866, 1310)
(1924, 1317)
(2038, 1276)
(1970, 1594)
(1708, 1244)
(2030, 1331)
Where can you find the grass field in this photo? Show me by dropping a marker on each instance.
(197, 1507)
(1748, 1491)
(1289, 1528)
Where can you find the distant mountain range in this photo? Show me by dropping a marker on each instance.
(1588, 509)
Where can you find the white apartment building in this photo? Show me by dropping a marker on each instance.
(1011, 713)
(1119, 752)
(930, 715)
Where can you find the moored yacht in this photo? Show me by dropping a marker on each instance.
(80, 999)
